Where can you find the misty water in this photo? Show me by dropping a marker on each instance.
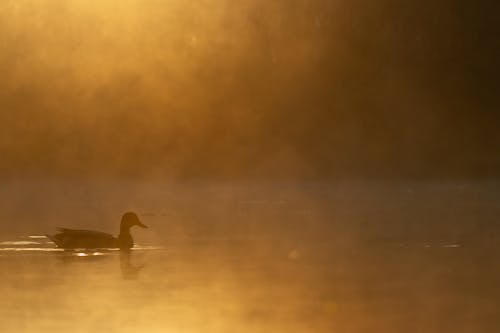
(281, 257)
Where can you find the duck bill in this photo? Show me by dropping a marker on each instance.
(142, 225)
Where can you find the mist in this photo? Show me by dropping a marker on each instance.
(301, 165)
(292, 89)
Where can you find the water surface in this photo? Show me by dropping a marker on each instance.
(357, 260)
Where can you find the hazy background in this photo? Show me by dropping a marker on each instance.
(303, 166)
(254, 89)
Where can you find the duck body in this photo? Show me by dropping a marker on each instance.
(83, 239)
(89, 239)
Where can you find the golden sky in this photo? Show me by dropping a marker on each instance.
(226, 88)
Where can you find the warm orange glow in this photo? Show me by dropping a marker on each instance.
(298, 166)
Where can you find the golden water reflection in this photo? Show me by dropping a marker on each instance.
(222, 286)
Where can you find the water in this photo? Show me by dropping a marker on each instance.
(275, 275)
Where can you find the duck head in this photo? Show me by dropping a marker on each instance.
(129, 220)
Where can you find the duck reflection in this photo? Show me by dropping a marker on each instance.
(130, 271)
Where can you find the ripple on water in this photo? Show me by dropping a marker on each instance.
(41, 244)
(19, 243)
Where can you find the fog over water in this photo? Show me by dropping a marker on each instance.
(255, 257)
(301, 165)
(225, 89)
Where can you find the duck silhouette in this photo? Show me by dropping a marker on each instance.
(89, 239)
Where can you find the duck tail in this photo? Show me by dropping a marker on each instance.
(52, 238)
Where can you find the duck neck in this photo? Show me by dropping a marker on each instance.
(125, 239)
(124, 230)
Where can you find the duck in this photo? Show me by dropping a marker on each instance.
(90, 239)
